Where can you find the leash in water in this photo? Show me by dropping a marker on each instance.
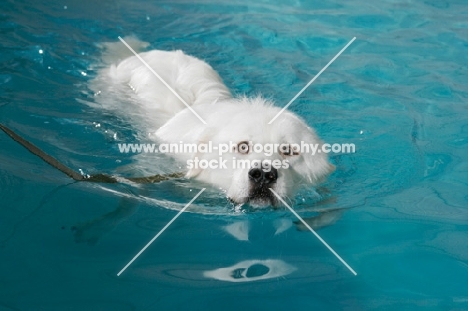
(100, 178)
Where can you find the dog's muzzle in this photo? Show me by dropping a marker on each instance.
(259, 177)
(260, 183)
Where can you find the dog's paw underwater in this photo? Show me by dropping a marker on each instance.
(225, 141)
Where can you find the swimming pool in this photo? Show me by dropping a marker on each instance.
(399, 93)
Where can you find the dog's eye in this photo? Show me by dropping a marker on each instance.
(288, 150)
(243, 147)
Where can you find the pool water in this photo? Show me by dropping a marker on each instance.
(397, 208)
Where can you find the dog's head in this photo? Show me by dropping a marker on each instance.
(239, 152)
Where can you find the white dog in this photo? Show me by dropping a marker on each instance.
(240, 121)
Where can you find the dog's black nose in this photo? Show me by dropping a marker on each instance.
(259, 176)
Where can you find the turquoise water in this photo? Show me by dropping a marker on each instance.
(399, 93)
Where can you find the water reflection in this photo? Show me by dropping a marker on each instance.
(251, 270)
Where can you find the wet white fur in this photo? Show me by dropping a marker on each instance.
(131, 90)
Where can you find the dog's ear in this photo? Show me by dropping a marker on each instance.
(186, 130)
(313, 164)
(184, 126)
(204, 138)
(311, 169)
(319, 169)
